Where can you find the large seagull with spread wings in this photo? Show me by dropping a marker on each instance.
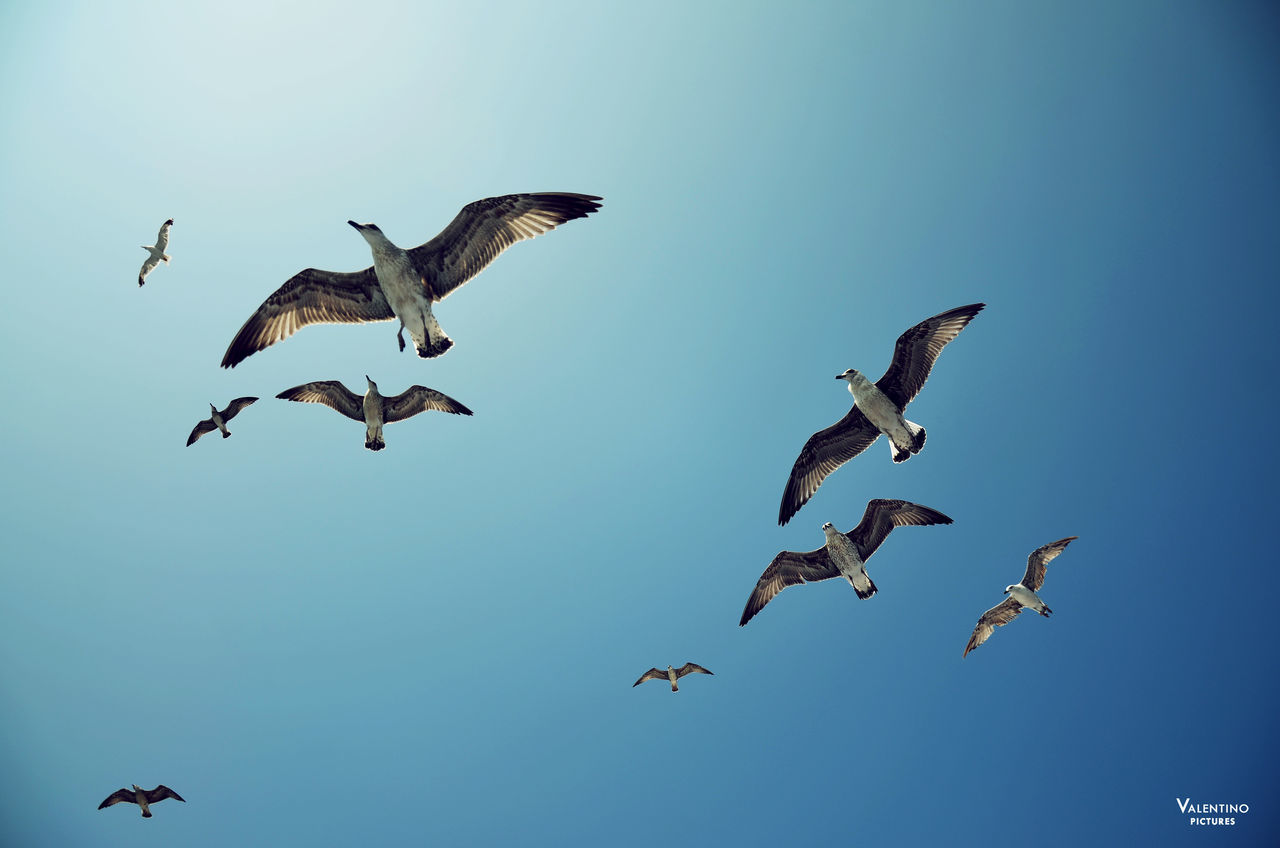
(844, 554)
(374, 410)
(877, 409)
(404, 283)
(1021, 595)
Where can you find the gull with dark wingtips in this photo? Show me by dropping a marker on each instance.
(844, 554)
(671, 675)
(218, 420)
(144, 798)
(878, 408)
(1021, 595)
(402, 283)
(156, 251)
(373, 410)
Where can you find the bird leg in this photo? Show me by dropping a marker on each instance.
(400, 336)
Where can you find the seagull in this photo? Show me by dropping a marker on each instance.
(218, 420)
(157, 252)
(1021, 595)
(844, 554)
(144, 798)
(671, 674)
(404, 283)
(375, 410)
(877, 409)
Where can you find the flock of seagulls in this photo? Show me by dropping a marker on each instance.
(404, 284)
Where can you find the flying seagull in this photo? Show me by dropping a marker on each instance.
(877, 409)
(1021, 595)
(844, 554)
(671, 674)
(374, 410)
(144, 798)
(404, 283)
(218, 420)
(157, 252)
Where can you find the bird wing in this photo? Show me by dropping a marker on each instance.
(235, 406)
(918, 348)
(205, 426)
(1000, 614)
(690, 668)
(162, 238)
(117, 797)
(651, 674)
(787, 569)
(161, 792)
(825, 451)
(882, 516)
(417, 399)
(148, 265)
(1040, 559)
(482, 230)
(310, 297)
(331, 393)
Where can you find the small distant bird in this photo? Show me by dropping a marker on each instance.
(157, 252)
(671, 674)
(144, 798)
(878, 408)
(1021, 595)
(373, 410)
(404, 283)
(844, 554)
(218, 420)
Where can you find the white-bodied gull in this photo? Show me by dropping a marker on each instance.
(373, 410)
(877, 409)
(156, 251)
(218, 420)
(404, 283)
(1021, 595)
(671, 675)
(144, 798)
(844, 554)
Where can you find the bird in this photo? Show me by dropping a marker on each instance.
(671, 674)
(157, 252)
(844, 554)
(1021, 595)
(218, 420)
(144, 798)
(402, 283)
(877, 409)
(374, 410)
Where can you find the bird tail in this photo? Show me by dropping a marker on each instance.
(675, 687)
(146, 814)
(227, 434)
(375, 443)
(867, 591)
(1046, 612)
(432, 349)
(165, 257)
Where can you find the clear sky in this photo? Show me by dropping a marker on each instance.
(320, 645)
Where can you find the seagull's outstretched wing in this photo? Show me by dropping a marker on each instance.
(482, 230)
(651, 674)
(1000, 614)
(310, 297)
(162, 238)
(417, 399)
(918, 348)
(331, 393)
(690, 668)
(161, 792)
(205, 426)
(1039, 559)
(118, 797)
(825, 451)
(882, 515)
(148, 265)
(233, 408)
(787, 569)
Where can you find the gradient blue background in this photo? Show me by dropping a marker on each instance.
(319, 645)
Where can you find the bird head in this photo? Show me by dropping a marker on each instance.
(214, 408)
(850, 375)
(136, 788)
(372, 385)
(371, 232)
(1009, 588)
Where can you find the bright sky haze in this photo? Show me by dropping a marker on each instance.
(316, 644)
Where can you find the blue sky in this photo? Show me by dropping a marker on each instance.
(319, 645)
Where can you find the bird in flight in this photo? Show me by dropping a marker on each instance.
(373, 410)
(144, 798)
(403, 284)
(671, 675)
(844, 554)
(1021, 595)
(218, 420)
(878, 408)
(156, 251)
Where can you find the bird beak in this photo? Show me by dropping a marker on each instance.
(366, 376)
(839, 376)
(354, 224)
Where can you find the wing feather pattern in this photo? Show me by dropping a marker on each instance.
(825, 451)
(331, 393)
(882, 515)
(917, 350)
(787, 569)
(417, 399)
(999, 615)
(1040, 559)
